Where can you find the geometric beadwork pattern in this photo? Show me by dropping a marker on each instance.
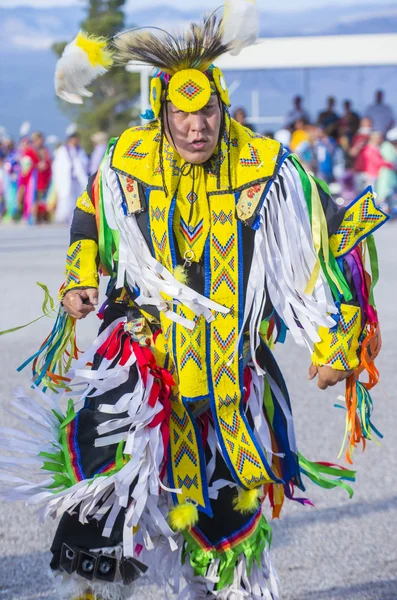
(254, 159)
(191, 234)
(185, 462)
(338, 347)
(81, 266)
(133, 153)
(186, 347)
(238, 444)
(360, 220)
(190, 89)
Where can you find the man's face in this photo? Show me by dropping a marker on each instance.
(38, 141)
(194, 135)
(74, 141)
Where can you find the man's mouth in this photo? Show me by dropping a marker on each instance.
(199, 144)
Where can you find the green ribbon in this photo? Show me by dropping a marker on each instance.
(252, 548)
(373, 259)
(108, 240)
(47, 311)
(318, 472)
(333, 265)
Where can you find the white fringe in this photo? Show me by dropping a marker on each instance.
(70, 587)
(284, 258)
(143, 445)
(40, 433)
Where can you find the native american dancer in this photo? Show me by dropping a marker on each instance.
(165, 442)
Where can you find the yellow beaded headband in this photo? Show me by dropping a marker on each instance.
(189, 90)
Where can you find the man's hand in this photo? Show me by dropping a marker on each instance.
(327, 376)
(79, 303)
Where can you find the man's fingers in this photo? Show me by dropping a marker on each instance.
(322, 383)
(92, 295)
(312, 372)
(75, 306)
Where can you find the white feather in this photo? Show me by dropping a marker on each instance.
(73, 73)
(240, 24)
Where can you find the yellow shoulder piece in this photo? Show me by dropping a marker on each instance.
(85, 204)
(253, 159)
(339, 346)
(361, 219)
(81, 266)
(136, 154)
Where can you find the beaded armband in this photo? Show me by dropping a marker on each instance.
(85, 204)
(81, 266)
(339, 346)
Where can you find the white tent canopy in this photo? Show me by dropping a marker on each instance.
(315, 52)
(299, 53)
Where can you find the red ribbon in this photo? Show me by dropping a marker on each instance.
(121, 341)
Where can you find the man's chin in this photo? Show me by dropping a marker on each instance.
(197, 158)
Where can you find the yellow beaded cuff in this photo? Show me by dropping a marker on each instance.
(361, 219)
(81, 266)
(339, 346)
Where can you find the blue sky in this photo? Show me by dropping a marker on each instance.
(263, 4)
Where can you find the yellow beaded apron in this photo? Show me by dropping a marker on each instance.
(206, 359)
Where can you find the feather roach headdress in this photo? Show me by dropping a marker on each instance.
(197, 48)
(184, 62)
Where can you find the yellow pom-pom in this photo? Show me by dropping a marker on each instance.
(184, 516)
(247, 501)
(95, 49)
(181, 274)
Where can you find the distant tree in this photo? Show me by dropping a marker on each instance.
(111, 107)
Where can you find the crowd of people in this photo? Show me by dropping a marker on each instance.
(346, 150)
(39, 185)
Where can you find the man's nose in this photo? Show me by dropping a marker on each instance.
(197, 121)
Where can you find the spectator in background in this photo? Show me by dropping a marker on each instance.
(302, 141)
(100, 141)
(328, 119)
(240, 116)
(44, 173)
(284, 137)
(10, 178)
(27, 183)
(370, 162)
(299, 134)
(296, 113)
(380, 114)
(70, 169)
(387, 181)
(323, 150)
(360, 140)
(349, 122)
